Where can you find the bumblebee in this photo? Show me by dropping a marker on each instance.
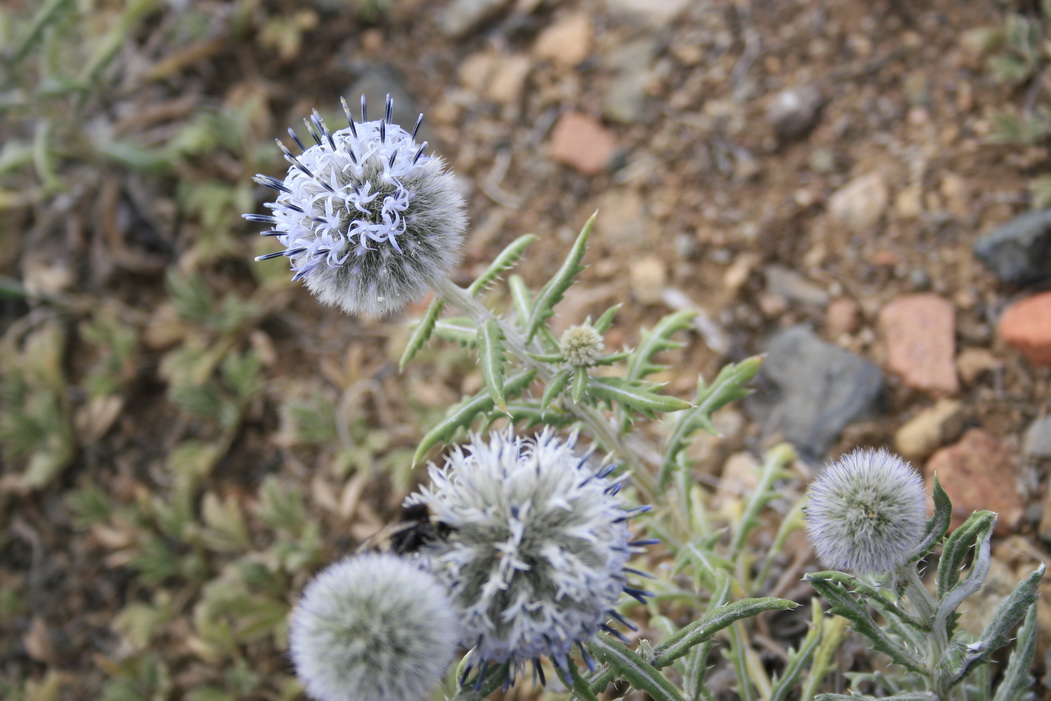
(415, 530)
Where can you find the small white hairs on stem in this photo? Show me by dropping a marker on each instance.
(866, 512)
(373, 628)
(367, 220)
(538, 544)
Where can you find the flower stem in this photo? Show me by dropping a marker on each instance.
(600, 428)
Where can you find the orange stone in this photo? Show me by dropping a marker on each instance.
(1026, 326)
(920, 335)
(582, 143)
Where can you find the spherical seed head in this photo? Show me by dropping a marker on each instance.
(367, 220)
(866, 512)
(537, 548)
(581, 345)
(373, 628)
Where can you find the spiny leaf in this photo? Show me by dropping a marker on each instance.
(555, 385)
(491, 356)
(956, 547)
(551, 293)
(520, 297)
(422, 333)
(1017, 680)
(458, 329)
(845, 605)
(580, 385)
(637, 396)
(656, 340)
(606, 320)
(507, 259)
(628, 665)
(937, 524)
(462, 414)
(729, 385)
(675, 646)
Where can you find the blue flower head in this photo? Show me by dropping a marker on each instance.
(538, 548)
(367, 219)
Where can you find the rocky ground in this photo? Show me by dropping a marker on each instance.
(819, 180)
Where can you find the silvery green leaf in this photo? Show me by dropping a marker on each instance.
(551, 293)
(580, 385)
(491, 357)
(628, 665)
(798, 660)
(945, 616)
(830, 587)
(555, 385)
(1017, 681)
(916, 696)
(503, 262)
(997, 632)
(606, 320)
(678, 644)
(936, 525)
(520, 297)
(656, 340)
(462, 414)
(637, 396)
(956, 547)
(422, 332)
(729, 385)
(458, 329)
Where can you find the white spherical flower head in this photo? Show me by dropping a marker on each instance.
(581, 345)
(368, 221)
(866, 512)
(535, 559)
(373, 628)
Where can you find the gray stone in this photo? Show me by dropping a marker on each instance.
(462, 17)
(795, 111)
(1019, 252)
(794, 287)
(1037, 440)
(811, 390)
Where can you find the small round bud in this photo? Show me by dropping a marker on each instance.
(373, 628)
(367, 220)
(581, 345)
(535, 559)
(866, 512)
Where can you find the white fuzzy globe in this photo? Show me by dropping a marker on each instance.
(866, 512)
(373, 628)
(535, 559)
(367, 220)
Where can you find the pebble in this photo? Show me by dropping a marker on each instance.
(654, 13)
(841, 317)
(1026, 326)
(509, 78)
(1019, 252)
(621, 220)
(930, 429)
(1037, 441)
(567, 42)
(978, 473)
(972, 363)
(648, 278)
(630, 64)
(909, 202)
(787, 283)
(461, 17)
(581, 142)
(919, 331)
(795, 111)
(860, 204)
(817, 390)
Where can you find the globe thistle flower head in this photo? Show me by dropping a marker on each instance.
(581, 345)
(373, 628)
(368, 221)
(536, 556)
(866, 512)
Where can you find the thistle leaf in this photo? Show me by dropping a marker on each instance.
(729, 385)
(936, 525)
(656, 340)
(580, 385)
(462, 414)
(628, 665)
(606, 320)
(520, 297)
(678, 644)
(798, 660)
(555, 385)
(503, 262)
(551, 293)
(422, 333)
(491, 356)
(459, 330)
(1017, 681)
(956, 547)
(845, 605)
(638, 396)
